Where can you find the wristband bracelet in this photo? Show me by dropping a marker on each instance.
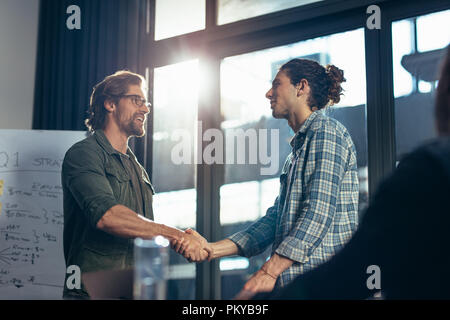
(275, 278)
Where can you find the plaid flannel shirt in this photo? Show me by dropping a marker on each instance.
(316, 212)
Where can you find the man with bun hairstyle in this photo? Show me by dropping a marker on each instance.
(401, 244)
(316, 212)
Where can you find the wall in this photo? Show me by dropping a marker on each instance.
(18, 47)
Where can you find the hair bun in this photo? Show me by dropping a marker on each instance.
(336, 77)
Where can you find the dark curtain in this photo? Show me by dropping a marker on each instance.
(71, 62)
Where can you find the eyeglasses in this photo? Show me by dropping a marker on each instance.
(137, 100)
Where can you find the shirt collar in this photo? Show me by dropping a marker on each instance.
(104, 142)
(297, 140)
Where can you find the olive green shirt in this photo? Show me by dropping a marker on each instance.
(94, 179)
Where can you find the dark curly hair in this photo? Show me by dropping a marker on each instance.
(324, 82)
(110, 89)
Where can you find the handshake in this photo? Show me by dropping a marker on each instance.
(193, 246)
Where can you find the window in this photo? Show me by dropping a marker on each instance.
(171, 18)
(416, 60)
(235, 10)
(175, 201)
(247, 193)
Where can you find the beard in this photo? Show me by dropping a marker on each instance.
(279, 110)
(278, 114)
(131, 126)
(136, 128)
(275, 114)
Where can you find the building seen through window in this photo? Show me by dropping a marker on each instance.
(416, 59)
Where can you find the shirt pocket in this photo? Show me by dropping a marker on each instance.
(120, 183)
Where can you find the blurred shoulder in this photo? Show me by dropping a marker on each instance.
(435, 153)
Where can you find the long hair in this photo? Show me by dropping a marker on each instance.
(110, 89)
(442, 104)
(324, 82)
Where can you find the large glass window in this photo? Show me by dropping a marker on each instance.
(171, 18)
(174, 173)
(416, 58)
(249, 190)
(235, 10)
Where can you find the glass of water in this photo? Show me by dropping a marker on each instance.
(150, 268)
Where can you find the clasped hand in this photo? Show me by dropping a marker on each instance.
(192, 246)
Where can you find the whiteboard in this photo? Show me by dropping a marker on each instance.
(31, 212)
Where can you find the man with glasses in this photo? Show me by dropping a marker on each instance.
(107, 193)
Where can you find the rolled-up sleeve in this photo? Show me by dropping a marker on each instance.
(322, 176)
(84, 176)
(259, 235)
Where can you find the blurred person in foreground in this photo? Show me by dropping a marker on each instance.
(404, 231)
